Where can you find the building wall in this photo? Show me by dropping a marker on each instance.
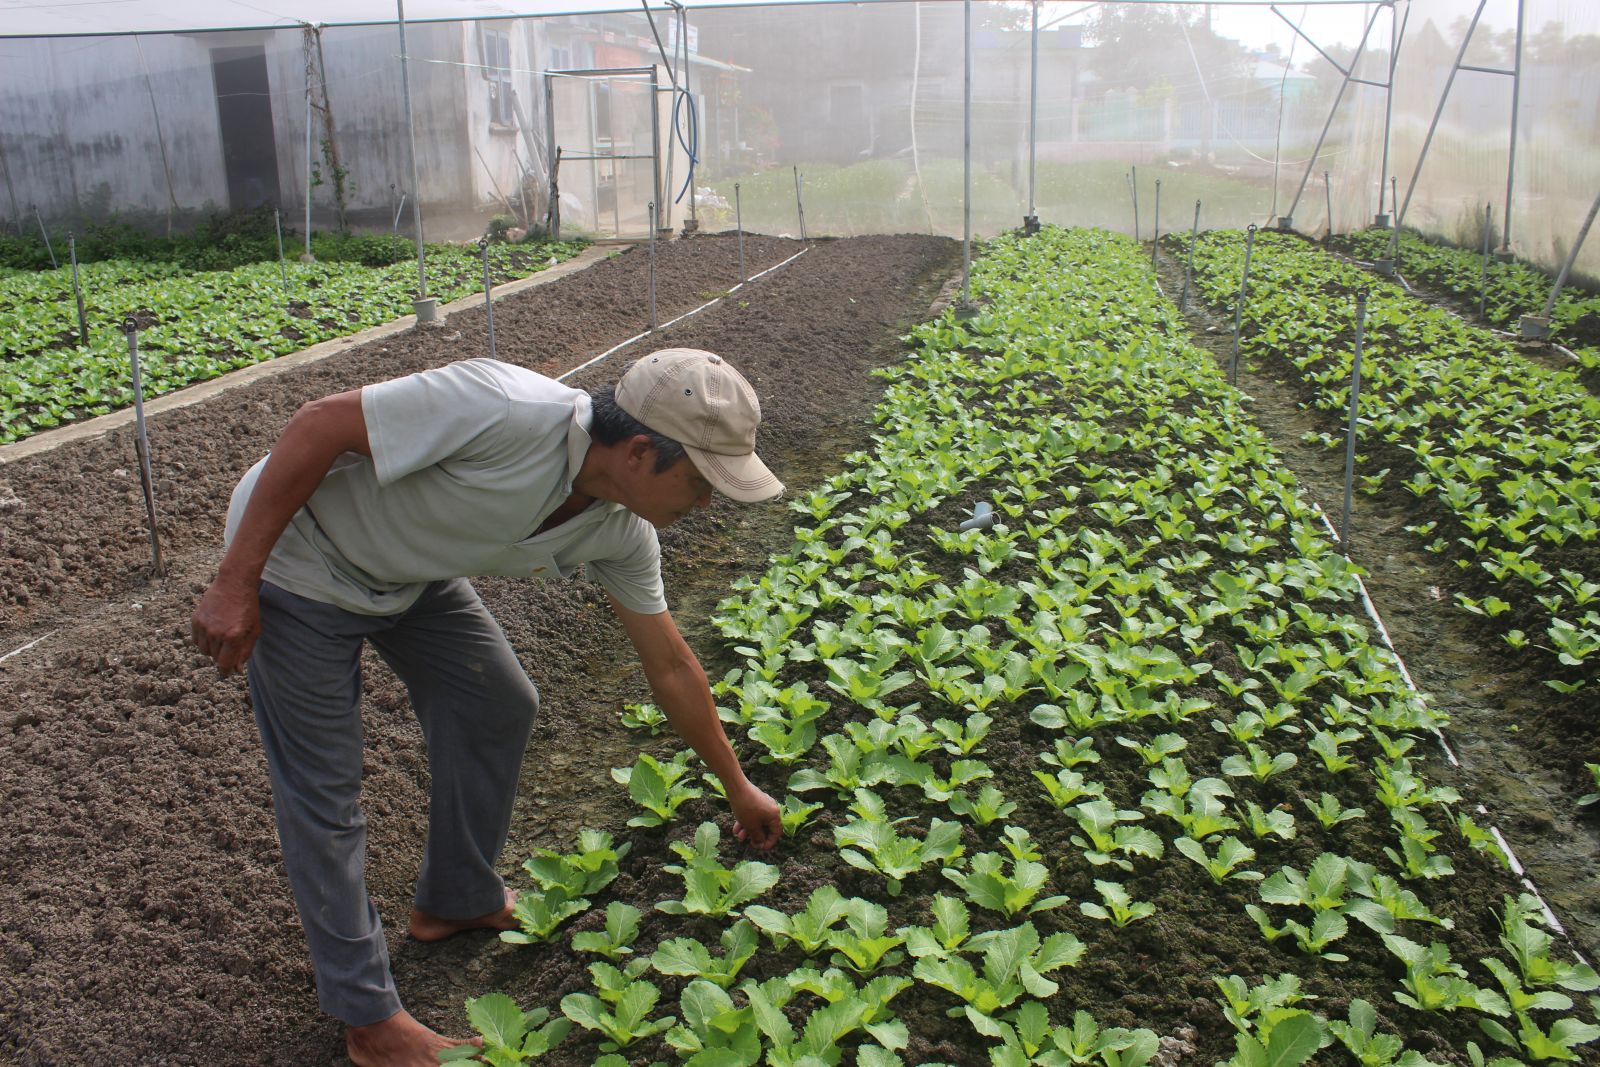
(78, 130)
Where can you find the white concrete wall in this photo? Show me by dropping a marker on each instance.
(78, 130)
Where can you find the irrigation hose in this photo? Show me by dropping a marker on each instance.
(687, 314)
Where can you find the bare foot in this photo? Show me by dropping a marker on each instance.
(398, 1041)
(425, 927)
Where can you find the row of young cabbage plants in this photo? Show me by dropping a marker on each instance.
(1122, 776)
(194, 326)
(1500, 455)
(1507, 291)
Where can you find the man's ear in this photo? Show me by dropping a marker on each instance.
(641, 451)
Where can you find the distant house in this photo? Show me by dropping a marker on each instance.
(179, 125)
(1270, 74)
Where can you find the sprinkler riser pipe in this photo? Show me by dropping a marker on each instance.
(738, 222)
(1350, 435)
(1133, 192)
(652, 211)
(1238, 307)
(1155, 244)
(77, 292)
(141, 443)
(488, 295)
(1188, 271)
(1483, 279)
(283, 269)
(46, 234)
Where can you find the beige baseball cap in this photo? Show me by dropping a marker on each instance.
(705, 405)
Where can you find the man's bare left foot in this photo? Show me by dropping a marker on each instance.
(425, 927)
(398, 1041)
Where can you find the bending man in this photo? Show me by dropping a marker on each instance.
(362, 525)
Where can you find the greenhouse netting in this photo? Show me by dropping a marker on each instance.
(857, 112)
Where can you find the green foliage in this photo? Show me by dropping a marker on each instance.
(616, 940)
(620, 1013)
(510, 1035)
(659, 788)
(709, 887)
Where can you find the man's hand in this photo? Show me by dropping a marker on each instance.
(226, 623)
(755, 817)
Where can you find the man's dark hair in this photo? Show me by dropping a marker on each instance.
(613, 425)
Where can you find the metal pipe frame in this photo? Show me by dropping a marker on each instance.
(411, 134)
(1511, 155)
(966, 153)
(609, 73)
(1396, 33)
(1332, 111)
(1572, 257)
(1033, 118)
(1433, 127)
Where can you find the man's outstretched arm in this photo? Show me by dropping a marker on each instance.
(681, 689)
(227, 620)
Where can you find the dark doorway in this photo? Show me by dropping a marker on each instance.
(244, 112)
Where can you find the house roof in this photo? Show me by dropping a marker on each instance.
(1268, 70)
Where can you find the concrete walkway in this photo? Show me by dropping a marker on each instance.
(194, 394)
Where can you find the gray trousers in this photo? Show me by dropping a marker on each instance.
(476, 707)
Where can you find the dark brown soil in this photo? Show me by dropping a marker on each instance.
(146, 916)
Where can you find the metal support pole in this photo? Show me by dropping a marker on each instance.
(1030, 221)
(738, 222)
(307, 258)
(1427, 142)
(488, 293)
(416, 186)
(1483, 278)
(1327, 185)
(1155, 244)
(694, 122)
(77, 292)
(283, 268)
(1350, 435)
(1516, 105)
(398, 211)
(1133, 193)
(1238, 307)
(1188, 271)
(1539, 328)
(966, 153)
(1285, 221)
(799, 205)
(46, 234)
(141, 442)
(1382, 218)
(652, 213)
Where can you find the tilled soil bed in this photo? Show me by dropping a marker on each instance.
(146, 915)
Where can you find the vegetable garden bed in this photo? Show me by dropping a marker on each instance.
(1495, 456)
(1513, 290)
(147, 918)
(196, 325)
(1126, 777)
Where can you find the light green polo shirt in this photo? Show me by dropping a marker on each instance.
(467, 461)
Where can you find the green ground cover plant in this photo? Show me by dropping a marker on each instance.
(1134, 662)
(196, 325)
(1500, 454)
